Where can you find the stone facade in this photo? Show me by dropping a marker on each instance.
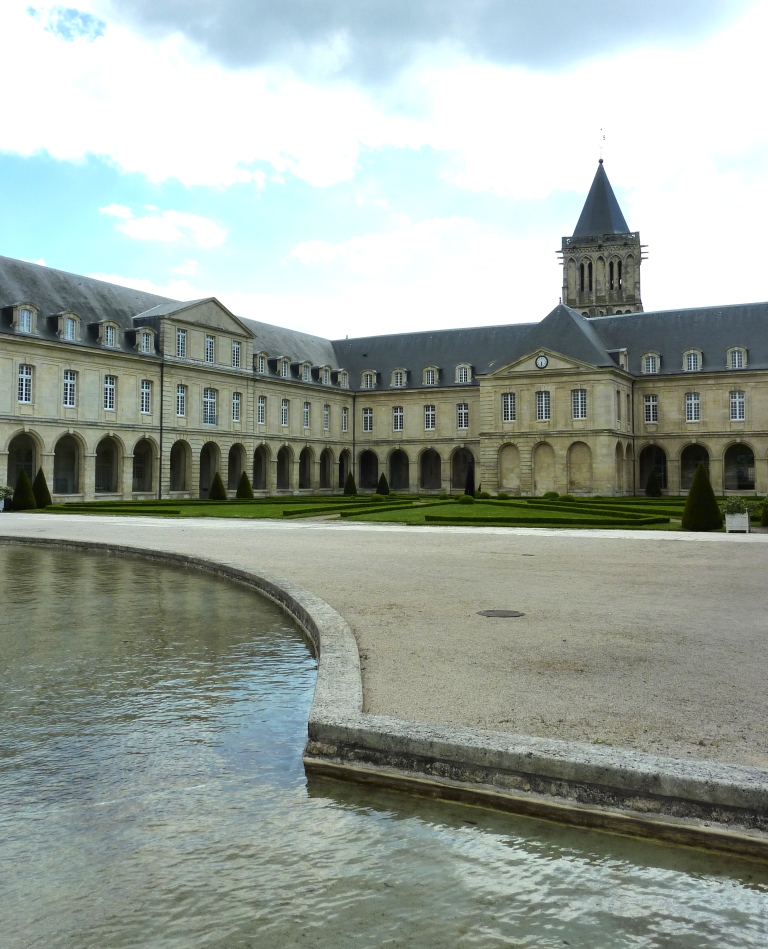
(119, 394)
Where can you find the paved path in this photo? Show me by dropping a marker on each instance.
(652, 641)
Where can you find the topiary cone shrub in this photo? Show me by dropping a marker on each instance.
(23, 496)
(652, 486)
(349, 485)
(40, 490)
(244, 489)
(764, 514)
(701, 512)
(218, 492)
(469, 486)
(382, 487)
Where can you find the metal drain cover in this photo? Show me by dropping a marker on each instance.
(500, 613)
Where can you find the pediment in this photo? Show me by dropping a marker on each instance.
(556, 362)
(210, 314)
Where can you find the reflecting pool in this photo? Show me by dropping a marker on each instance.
(152, 795)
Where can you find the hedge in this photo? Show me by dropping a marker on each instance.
(543, 521)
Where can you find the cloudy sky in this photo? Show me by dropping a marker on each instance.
(361, 166)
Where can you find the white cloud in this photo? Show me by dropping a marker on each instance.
(117, 210)
(169, 227)
(187, 268)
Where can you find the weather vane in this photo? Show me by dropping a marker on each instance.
(602, 139)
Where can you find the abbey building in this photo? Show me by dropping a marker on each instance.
(117, 393)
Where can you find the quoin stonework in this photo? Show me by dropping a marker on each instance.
(117, 393)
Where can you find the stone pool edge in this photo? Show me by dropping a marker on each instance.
(693, 803)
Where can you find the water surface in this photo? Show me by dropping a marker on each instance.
(152, 795)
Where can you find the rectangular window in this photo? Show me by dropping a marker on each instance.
(344, 380)
(109, 336)
(738, 407)
(345, 419)
(25, 384)
(326, 418)
(737, 359)
(145, 397)
(261, 363)
(146, 340)
(543, 407)
(691, 362)
(284, 412)
(430, 418)
(429, 377)
(579, 403)
(209, 406)
(70, 388)
(397, 418)
(305, 373)
(367, 420)
(181, 344)
(285, 368)
(463, 374)
(110, 387)
(651, 403)
(651, 364)
(398, 379)
(236, 353)
(236, 402)
(261, 410)
(692, 407)
(368, 380)
(629, 408)
(69, 328)
(326, 377)
(181, 401)
(25, 321)
(508, 407)
(462, 415)
(305, 416)
(210, 349)
(618, 408)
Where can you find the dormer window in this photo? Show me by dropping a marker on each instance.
(369, 380)
(70, 328)
(25, 319)
(306, 372)
(344, 380)
(145, 342)
(109, 335)
(326, 376)
(285, 369)
(692, 361)
(398, 379)
(430, 376)
(737, 358)
(261, 362)
(651, 363)
(463, 374)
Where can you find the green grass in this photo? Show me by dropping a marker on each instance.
(635, 513)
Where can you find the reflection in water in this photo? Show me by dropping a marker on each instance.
(152, 794)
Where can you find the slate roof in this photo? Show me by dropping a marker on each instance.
(711, 329)
(595, 341)
(601, 213)
(485, 348)
(54, 291)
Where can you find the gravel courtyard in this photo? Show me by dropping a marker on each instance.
(651, 641)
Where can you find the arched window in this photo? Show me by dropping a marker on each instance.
(610, 275)
(619, 277)
(590, 276)
(581, 278)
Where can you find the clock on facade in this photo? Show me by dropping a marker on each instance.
(541, 362)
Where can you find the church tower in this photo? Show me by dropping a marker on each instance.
(601, 262)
